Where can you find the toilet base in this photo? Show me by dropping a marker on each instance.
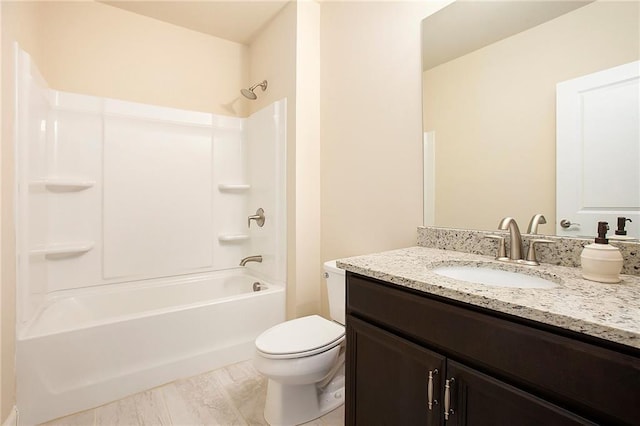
(296, 404)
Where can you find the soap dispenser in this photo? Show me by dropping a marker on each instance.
(621, 233)
(601, 261)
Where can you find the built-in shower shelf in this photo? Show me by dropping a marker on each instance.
(234, 187)
(229, 238)
(63, 250)
(64, 185)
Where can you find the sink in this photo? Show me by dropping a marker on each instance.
(478, 274)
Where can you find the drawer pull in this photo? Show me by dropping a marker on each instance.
(431, 401)
(447, 398)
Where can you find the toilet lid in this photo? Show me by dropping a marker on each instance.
(301, 336)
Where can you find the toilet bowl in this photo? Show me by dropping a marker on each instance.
(303, 360)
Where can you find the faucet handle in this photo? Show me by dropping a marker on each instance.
(502, 250)
(537, 219)
(258, 217)
(531, 252)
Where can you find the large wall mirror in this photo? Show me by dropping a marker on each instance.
(490, 71)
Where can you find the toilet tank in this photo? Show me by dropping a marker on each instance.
(336, 289)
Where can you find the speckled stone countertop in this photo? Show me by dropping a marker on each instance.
(606, 311)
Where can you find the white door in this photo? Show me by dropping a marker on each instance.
(598, 151)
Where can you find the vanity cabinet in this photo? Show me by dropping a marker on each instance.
(496, 370)
(389, 378)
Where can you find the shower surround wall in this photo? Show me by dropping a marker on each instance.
(116, 194)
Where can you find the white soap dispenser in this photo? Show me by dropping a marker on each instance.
(601, 261)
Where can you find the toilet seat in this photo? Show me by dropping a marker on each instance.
(300, 337)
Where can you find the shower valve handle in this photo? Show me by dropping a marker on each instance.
(258, 217)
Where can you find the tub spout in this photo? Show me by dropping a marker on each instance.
(248, 259)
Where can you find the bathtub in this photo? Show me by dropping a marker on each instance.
(94, 346)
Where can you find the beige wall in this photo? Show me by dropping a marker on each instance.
(493, 111)
(307, 161)
(371, 125)
(100, 50)
(272, 58)
(286, 53)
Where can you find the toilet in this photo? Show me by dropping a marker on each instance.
(303, 360)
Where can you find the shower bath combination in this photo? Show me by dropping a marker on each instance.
(249, 93)
(73, 281)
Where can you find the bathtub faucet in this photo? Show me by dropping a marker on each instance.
(248, 259)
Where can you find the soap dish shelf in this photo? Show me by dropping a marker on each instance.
(234, 187)
(56, 251)
(64, 185)
(232, 238)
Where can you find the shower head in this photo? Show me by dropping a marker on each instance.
(249, 94)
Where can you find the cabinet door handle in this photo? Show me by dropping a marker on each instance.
(447, 398)
(431, 401)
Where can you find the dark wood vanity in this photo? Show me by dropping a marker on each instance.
(411, 355)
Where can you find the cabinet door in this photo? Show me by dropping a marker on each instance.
(478, 399)
(388, 379)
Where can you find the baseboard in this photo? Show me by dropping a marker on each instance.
(12, 419)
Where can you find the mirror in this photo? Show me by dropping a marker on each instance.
(490, 71)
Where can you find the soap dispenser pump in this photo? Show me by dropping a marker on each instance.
(601, 261)
(622, 222)
(621, 233)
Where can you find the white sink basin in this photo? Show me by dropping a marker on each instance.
(493, 277)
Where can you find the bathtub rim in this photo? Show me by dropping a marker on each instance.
(25, 332)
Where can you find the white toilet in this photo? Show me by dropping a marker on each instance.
(304, 360)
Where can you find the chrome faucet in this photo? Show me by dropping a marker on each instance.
(536, 220)
(515, 238)
(248, 259)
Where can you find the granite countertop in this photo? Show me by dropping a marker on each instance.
(606, 311)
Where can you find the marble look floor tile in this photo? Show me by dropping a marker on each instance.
(145, 408)
(247, 390)
(151, 408)
(334, 418)
(234, 395)
(121, 412)
(200, 400)
(84, 418)
(315, 422)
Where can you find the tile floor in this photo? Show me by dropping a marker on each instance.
(233, 395)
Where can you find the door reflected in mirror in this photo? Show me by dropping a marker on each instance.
(598, 152)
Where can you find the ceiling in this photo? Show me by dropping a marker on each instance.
(484, 22)
(234, 20)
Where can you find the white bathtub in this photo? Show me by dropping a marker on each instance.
(91, 347)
